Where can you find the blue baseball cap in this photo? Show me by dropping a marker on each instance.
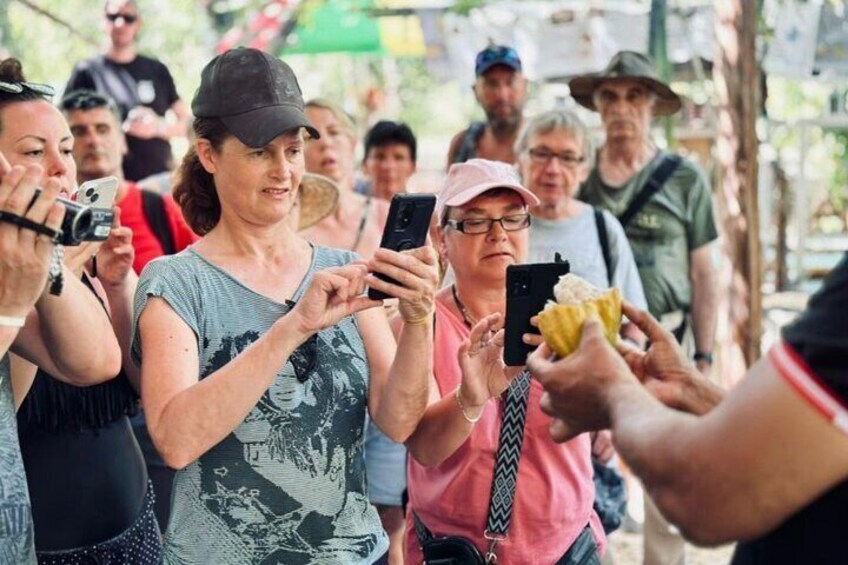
(497, 55)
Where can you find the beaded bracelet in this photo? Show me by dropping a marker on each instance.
(462, 408)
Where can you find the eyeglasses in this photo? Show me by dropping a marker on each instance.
(18, 87)
(543, 157)
(127, 18)
(305, 357)
(475, 226)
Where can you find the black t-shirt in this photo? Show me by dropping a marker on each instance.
(141, 82)
(816, 534)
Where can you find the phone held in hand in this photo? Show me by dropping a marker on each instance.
(528, 288)
(98, 193)
(97, 196)
(406, 228)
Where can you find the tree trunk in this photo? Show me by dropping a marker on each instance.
(736, 74)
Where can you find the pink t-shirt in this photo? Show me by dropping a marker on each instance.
(554, 493)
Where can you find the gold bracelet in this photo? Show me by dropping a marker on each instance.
(462, 408)
(418, 321)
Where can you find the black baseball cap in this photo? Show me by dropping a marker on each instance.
(497, 55)
(256, 96)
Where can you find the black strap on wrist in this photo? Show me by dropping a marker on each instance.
(23, 222)
(704, 356)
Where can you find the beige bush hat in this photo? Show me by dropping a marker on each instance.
(626, 65)
(319, 197)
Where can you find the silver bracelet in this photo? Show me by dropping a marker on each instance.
(469, 419)
(12, 321)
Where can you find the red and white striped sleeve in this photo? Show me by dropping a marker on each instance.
(792, 368)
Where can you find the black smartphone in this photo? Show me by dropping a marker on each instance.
(528, 288)
(406, 228)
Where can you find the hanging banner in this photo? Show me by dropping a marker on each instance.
(792, 50)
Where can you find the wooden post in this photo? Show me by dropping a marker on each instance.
(781, 211)
(736, 75)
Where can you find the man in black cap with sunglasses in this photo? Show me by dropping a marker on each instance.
(663, 201)
(151, 110)
(501, 90)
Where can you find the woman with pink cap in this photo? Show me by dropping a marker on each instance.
(483, 215)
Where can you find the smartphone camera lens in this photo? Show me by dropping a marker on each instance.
(521, 284)
(405, 217)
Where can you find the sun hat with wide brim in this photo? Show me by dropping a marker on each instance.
(319, 197)
(626, 65)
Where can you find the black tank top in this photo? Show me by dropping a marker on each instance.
(85, 471)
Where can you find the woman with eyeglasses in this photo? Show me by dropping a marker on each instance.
(68, 338)
(484, 216)
(554, 153)
(260, 356)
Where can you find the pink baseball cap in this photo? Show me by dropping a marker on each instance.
(470, 179)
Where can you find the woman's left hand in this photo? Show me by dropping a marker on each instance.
(416, 272)
(116, 256)
(484, 373)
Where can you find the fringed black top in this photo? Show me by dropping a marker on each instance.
(85, 472)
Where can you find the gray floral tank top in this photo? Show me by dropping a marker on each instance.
(288, 485)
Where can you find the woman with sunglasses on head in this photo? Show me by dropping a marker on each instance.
(35, 144)
(101, 503)
(259, 353)
(484, 215)
(357, 224)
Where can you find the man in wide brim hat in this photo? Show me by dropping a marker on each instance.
(664, 203)
(630, 66)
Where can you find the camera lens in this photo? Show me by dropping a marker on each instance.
(76, 223)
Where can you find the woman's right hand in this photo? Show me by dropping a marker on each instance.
(333, 294)
(24, 254)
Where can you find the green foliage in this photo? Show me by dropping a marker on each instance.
(464, 7)
(826, 161)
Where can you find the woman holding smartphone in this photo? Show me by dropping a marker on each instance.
(260, 355)
(483, 211)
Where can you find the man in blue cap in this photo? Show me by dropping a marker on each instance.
(501, 90)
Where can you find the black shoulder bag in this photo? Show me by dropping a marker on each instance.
(456, 550)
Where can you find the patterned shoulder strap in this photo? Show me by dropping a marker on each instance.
(506, 461)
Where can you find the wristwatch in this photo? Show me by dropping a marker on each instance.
(707, 357)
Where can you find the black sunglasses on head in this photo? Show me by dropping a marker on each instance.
(84, 100)
(305, 357)
(128, 18)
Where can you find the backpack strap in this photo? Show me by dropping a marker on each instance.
(655, 182)
(603, 238)
(153, 206)
(468, 147)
